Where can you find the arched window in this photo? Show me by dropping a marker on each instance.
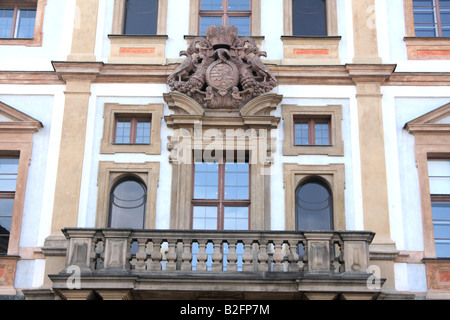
(314, 206)
(127, 204)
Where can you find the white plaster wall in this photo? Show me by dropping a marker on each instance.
(44, 103)
(124, 94)
(319, 96)
(57, 34)
(400, 105)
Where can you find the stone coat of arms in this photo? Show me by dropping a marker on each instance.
(222, 70)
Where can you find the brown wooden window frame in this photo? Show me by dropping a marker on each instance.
(39, 6)
(225, 14)
(311, 129)
(29, 5)
(437, 14)
(133, 127)
(220, 203)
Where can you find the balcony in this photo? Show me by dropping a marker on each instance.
(196, 264)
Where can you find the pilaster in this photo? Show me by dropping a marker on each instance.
(84, 31)
(368, 80)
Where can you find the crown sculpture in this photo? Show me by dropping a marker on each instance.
(222, 71)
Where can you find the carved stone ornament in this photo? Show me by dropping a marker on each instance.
(222, 71)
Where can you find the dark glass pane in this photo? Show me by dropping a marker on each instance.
(446, 30)
(321, 133)
(314, 207)
(6, 21)
(309, 18)
(241, 23)
(426, 31)
(239, 5)
(128, 200)
(440, 210)
(301, 133)
(206, 181)
(236, 181)
(205, 22)
(27, 19)
(211, 5)
(423, 3)
(141, 17)
(442, 248)
(424, 16)
(123, 131)
(143, 131)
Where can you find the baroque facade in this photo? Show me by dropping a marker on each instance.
(251, 149)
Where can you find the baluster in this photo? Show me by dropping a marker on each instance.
(278, 256)
(141, 255)
(155, 264)
(293, 256)
(263, 257)
(186, 256)
(217, 256)
(171, 256)
(232, 256)
(201, 255)
(247, 257)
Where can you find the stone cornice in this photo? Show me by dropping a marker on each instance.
(100, 72)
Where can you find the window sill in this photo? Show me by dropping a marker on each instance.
(27, 42)
(304, 50)
(428, 48)
(137, 49)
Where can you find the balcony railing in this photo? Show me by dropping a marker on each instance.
(96, 251)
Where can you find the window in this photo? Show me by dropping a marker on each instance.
(127, 204)
(309, 18)
(221, 196)
(134, 130)
(226, 12)
(431, 18)
(141, 17)
(314, 196)
(313, 206)
(313, 131)
(439, 179)
(17, 22)
(8, 178)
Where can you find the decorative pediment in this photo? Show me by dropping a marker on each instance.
(14, 120)
(435, 121)
(222, 70)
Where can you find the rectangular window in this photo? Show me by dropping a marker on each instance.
(132, 130)
(431, 18)
(141, 17)
(439, 180)
(312, 131)
(17, 22)
(221, 197)
(226, 12)
(8, 177)
(309, 18)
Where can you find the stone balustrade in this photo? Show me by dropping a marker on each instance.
(139, 251)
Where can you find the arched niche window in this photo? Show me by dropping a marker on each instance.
(127, 204)
(314, 206)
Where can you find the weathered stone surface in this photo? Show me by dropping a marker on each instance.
(222, 71)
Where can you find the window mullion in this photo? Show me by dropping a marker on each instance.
(437, 9)
(312, 133)
(14, 22)
(133, 129)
